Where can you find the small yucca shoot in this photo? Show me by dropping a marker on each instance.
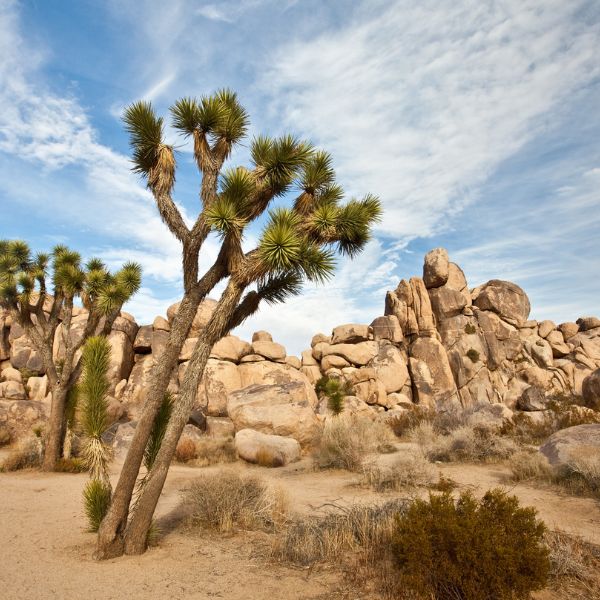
(96, 500)
(93, 390)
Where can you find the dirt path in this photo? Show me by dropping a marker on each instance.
(46, 553)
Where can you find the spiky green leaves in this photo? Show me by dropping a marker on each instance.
(96, 500)
(354, 223)
(94, 386)
(159, 427)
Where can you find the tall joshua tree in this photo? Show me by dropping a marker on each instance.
(25, 293)
(297, 243)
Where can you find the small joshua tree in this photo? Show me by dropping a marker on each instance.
(297, 243)
(335, 390)
(39, 293)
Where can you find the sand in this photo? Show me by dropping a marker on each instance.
(45, 551)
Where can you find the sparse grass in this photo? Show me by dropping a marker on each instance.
(70, 465)
(444, 484)
(225, 501)
(27, 454)
(470, 329)
(205, 451)
(575, 567)
(530, 465)
(401, 424)
(186, 450)
(407, 471)
(266, 457)
(5, 435)
(96, 500)
(347, 440)
(467, 443)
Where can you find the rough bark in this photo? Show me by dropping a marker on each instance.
(56, 427)
(137, 531)
(110, 534)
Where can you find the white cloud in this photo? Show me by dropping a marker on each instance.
(420, 102)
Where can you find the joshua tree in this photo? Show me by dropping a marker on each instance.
(24, 292)
(297, 243)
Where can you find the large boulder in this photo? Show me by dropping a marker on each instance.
(410, 303)
(350, 334)
(532, 399)
(269, 350)
(591, 390)
(20, 416)
(24, 356)
(357, 354)
(230, 348)
(12, 390)
(143, 340)
(435, 268)
(570, 443)
(201, 319)
(446, 302)
(505, 299)
(220, 378)
(390, 368)
(279, 409)
(387, 328)
(254, 446)
(121, 357)
(431, 353)
(587, 323)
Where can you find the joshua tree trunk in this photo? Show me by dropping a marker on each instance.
(111, 531)
(137, 531)
(56, 427)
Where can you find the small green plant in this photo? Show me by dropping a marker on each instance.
(470, 329)
(473, 355)
(335, 390)
(469, 549)
(5, 435)
(26, 374)
(96, 500)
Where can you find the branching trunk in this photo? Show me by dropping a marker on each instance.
(110, 534)
(137, 531)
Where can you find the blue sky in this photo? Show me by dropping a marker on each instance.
(477, 123)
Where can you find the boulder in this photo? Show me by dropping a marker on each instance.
(279, 409)
(220, 378)
(568, 444)
(20, 416)
(390, 368)
(262, 336)
(333, 361)
(532, 399)
(143, 340)
(545, 327)
(159, 341)
(221, 427)
(126, 323)
(541, 352)
(119, 437)
(446, 302)
(121, 357)
(568, 329)
(505, 299)
(308, 360)
(432, 353)
(320, 349)
(371, 391)
(387, 328)
(293, 361)
(201, 319)
(557, 343)
(24, 356)
(435, 268)
(587, 323)
(591, 390)
(160, 324)
(254, 446)
(187, 349)
(319, 337)
(230, 348)
(252, 358)
(350, 333)
(410, 303)
(11, 374)
(12, 390)
(357, 354)
(270, 350)
(491, 415)
(312, 374)
(37, 388)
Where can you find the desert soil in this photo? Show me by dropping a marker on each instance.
(45, 551)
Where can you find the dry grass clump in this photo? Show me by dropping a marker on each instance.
(575, 566)
(367, 529)
(205, 451)
(407, 471)
(5, 435)
(471, 443)
(526, 465)
(267, 457)
(402, 423)
(27, 454)
(71, 465)
(224, 501)
(347, 439)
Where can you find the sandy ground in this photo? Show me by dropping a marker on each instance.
(45, 551)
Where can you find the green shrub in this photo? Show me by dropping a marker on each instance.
(473, 355)
(335, 390)
(470, 329)
(96, 500)
(470, 550)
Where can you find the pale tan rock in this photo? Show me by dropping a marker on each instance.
(280, 409)
(187, 349)
(545, 327)
(318, 338)
(559, 347)
(12, 390)
(252, 445)
(390, 368)
(422, 307)
(126, 323)
(387, 328)
(143, 340)
(159, 341)
(219, 427)
(537, 377)
(541, 352)
(161, 324)
(332, 361)
(435, 268)
(114, 410)
(20, 416)
(587, 323)
(503, 341)
(504, 298)
(371, 391)
(11, 374)
(567, 443)
(432, 353)
(220, 379)
(230, 348)
(396, 400)
(446, 302)
(568, 329)
(262, 336)
(201, 319)
(357, 354)
(308, 360)
(121, 357)
(293, 361)
(350, 333)
(270, 350)
(37, 388)
(320, 349)
(251, 358)
(590, 389)
(312, 373)
(422, 382)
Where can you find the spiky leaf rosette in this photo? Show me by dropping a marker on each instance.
(158, 431)
(96, 500)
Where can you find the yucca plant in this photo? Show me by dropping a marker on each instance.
(40, 291)
(297, 244)
(335, 390)
(93, 390)
(96, 500)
